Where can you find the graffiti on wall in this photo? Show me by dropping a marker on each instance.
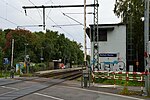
(111, 66)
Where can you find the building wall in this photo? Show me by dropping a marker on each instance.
(115, 44)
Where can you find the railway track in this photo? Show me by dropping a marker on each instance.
(41, 84)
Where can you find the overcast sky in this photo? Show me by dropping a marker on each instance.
(12, 15)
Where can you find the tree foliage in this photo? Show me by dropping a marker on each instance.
(131, 12)
(51, 45)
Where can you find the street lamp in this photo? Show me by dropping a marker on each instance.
(25, 60)
(42, 54)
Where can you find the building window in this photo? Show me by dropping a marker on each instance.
(102, 35)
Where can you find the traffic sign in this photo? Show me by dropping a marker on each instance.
(5, 61)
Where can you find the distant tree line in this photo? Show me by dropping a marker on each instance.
(51, 45)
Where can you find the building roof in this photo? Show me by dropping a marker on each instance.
(108, 27)
(114, 24)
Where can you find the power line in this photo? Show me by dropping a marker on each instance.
(57, 24)
(73, 13)
(66, 25)
(19, 10)
(58, 6)
(49, 1)
(73, 19)
(68, 21)
(74, 28)
(37, 8)
(8, 20)
(61, 25)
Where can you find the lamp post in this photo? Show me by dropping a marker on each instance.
(42, 54)
(25, 61)
(146, 49)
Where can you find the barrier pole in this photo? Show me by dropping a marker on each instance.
(114, 80)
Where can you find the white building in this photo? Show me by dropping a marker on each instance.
(112, 46)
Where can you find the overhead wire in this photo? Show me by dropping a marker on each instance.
(66, 25)
(31, 17)
(74, 28)
(6, 9)
(73, 19)
(36, 8)
(19, 10)
(8, 20)
(50, 9)
(49, 1)
(68, 19)
(57, 24)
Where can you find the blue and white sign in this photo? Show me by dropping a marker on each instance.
(108, 55)
(5, 61)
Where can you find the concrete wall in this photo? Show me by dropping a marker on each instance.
(115, 44)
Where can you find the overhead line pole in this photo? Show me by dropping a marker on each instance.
(146, 40)
(85, 53)
(95, 37)
(43, 18)
(12, 53)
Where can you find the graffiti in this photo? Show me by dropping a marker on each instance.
(111, 66)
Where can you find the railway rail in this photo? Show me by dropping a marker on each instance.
(50, 80)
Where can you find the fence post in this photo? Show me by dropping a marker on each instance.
(114, 80)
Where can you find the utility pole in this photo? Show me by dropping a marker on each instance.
(12, 57)
(25, 57)
(85, 51)
(12, 53)
(43, 17)
(95, 37)
(146, 39)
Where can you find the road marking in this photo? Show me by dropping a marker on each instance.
(9, 87)
(117, 95)
(48, 96)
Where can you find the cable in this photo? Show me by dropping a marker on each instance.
(19, 10)
(73, 13)
(49, 1)
(66, 25)
(67, 19)
(73, 19)
(56, 24)
(37, 8)
(8, 20)
(75, 30)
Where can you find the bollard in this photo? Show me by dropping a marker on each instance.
(85, 78)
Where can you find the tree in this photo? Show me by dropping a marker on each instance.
(55, 46)
(131, 12)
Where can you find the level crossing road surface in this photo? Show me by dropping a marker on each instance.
(52, 89)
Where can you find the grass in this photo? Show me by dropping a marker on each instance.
(26, 75)
(4, 74)
(125, 91)
(119, 82)
(7, 74)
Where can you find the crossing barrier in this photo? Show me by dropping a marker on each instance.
(129, 76)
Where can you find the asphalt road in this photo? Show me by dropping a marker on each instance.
(61, 91)
(58, 92)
